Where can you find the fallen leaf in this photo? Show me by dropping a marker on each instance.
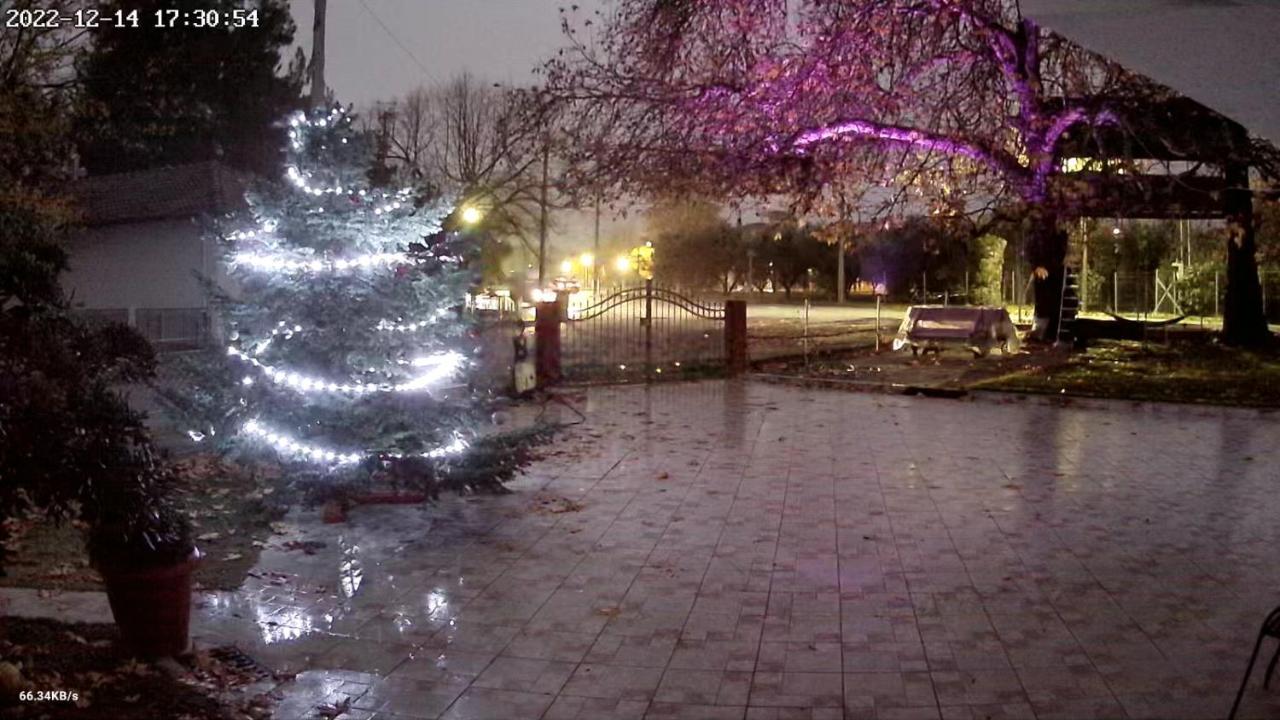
(334, 710)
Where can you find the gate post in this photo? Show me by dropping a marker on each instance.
(546, 328)
(735, 336)
(648, 327)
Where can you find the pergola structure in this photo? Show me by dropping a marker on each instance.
(1176, 158)
(1170, 159)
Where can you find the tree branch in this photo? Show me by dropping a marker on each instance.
(913, 138)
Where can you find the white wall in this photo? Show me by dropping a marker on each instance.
(138, 265)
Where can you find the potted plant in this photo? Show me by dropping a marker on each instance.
(71, 447)
(143, 549)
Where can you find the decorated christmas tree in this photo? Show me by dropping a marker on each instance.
(346, 348)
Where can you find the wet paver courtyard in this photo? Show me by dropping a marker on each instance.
(743, 550)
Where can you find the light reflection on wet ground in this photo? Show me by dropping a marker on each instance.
(738, 550)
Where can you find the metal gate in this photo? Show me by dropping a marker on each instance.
(644, 332)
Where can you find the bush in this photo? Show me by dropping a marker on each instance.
(1200, 283)
(70, 446)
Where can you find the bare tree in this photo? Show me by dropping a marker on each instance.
(472, 141)
(411, 126)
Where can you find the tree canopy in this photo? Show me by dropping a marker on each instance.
(153, 96)
(958, 106)
(742, 97)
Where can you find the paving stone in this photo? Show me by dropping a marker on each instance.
(742, 550)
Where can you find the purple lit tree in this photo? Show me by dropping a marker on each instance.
(954, 106)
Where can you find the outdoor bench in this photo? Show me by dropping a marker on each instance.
(928, 327)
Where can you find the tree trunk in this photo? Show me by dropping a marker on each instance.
(1047, 251)
(1244, 323)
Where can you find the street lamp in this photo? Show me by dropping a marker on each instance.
(471, 215)
(566, 267)
(623, 264)
(588, 263)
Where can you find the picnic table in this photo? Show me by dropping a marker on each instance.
(928, 327)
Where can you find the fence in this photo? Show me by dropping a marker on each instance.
(1163, 292)
(168, 329)
(645, 332)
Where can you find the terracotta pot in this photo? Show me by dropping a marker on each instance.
(152, 606)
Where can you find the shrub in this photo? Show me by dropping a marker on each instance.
(70, 446)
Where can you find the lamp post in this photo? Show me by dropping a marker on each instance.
(595, 251)
(1115, 273)
(588, 262)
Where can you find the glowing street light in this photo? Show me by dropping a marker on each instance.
(587, 260)
(623, 264)
(471, 215)
(566, 267)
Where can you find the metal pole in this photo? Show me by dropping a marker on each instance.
(806, 333)
(542, 219)
(1146, 298)
(595, 263)
(1115, 292)
(1013, 293)
(840, 270)
(1084, 265)
(877, 322)
(1215, 295)
(648, 325)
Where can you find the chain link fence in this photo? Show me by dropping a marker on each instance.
(1199, 291)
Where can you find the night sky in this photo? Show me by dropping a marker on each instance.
(497, 40)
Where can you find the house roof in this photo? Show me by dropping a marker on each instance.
(179, 191)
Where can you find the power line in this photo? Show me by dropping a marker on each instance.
(430, 75)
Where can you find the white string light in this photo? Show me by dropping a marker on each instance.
(283, 328)
(276, 263)
(439, 368)
(300, 179)
(388, 326)
(263, 256)
(286, 445)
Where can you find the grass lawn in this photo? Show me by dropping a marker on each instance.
(231, 512)
(1183, 372)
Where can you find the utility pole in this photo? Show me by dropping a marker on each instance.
(595, 263)
(542, 219)
(317, 55)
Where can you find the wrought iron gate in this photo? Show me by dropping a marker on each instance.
(644, 332)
